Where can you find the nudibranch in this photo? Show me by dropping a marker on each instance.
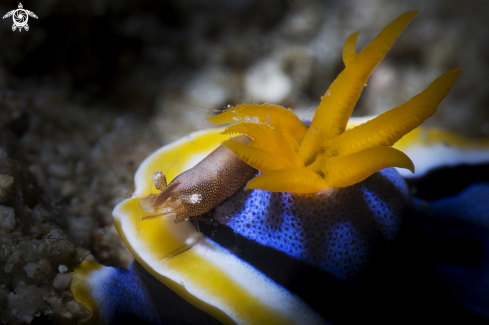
(325, 218)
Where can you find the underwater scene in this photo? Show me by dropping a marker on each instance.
(244, 162)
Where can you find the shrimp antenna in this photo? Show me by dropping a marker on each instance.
(110, 165)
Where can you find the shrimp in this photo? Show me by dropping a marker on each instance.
(199, 189)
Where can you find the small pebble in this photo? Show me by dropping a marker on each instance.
(15, 257)
(8, 267)
(6, 183)
(30, 269)
(62, 281)
(44, 265)
(266, 82)
(59, 170)
(62, 268)
(67, 189)
(7, 219)
(89, 257)
(77, 309)
(54, 234)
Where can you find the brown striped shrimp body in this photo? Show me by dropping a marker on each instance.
(201, 188)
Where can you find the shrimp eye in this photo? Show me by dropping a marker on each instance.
(160, 180)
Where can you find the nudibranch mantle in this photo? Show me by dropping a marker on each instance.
(336, 231)
(209, 276)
